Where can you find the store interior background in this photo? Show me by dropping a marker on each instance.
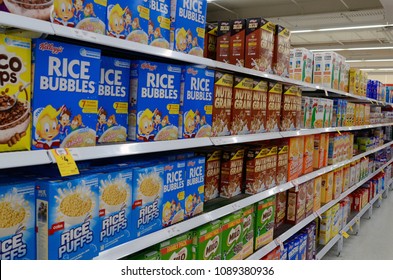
(360, 30)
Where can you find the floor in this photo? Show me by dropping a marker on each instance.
(375, 238)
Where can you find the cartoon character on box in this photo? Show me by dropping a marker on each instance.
(181, 40)
(146, 126)
(47, 128)
(151, 31)
(101, 122)
(77, 123)
(78, 13)
(128, 20)
(157, 121)
(189, 125)
(111, 121)
(63, 12)
(65, 117)
(116, 23)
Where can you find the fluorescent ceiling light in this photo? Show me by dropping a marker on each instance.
(377, 70)
(341, 28)
(354, 49)
(370, 60)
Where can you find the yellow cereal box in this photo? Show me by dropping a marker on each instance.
(325, 227)
(308, 154)
(336, 220)
(317, 193)
(327, 187)
(346, 177)
(354, 80)
(337, 183)
(295, 154)
(15, 93)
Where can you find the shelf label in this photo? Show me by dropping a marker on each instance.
(280, 243)
(326, 93)
(65, 162)
(345, 235)
(351, 229)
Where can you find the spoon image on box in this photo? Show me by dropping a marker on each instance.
(9, 101)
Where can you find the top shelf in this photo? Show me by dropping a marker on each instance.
(8, 20)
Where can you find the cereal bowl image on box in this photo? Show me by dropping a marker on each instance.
(39, 9)
(115, 194)
(150, 187)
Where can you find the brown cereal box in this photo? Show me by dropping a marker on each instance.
(237, 42)
(212, 172)
(259, 44)
(231, 171)
(290, 108)
(223, 38)
(327, 187)
(271, 164)
(301, 157)
(273, 107)
(282, 48)
(326, 150)
(295, 155)
(222, 106)
(281, 208)
(320, 143)
(241, 105)
(337, 183)
(308, 160)
(309, 197)
(273, 255)
(255, 170)
(282, 162)
(210, 41)
(296, 208)
(317, 193)
(259, 106)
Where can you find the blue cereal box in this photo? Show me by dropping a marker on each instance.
(195, 187)
(196, 102)
(115, 208)
(88, 15)
(128, 20)
(159, 23)
(17, 219)
(173, 196)
(113, 97)
(155, 98)
(188, 26)
(65, 104)
(67, 218)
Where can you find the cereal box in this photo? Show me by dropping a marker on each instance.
(317, 193)
(284, 252)
(327, 187)
(346, 177)
(149, 254)
(241, 105)
(232, 242)
(231, 171)
(318, 68)
(290, 108)
(273, 255)
(296, 208)
(67, 218)
(303, 65)
(15, 90)
(282, 162)
(188, 21)
(293, 249)
(259, 106)
(210, 48)
(270, 155)
(222, 106)
(264, 222)
(310, 233)
(18, 207)
(328, 73)
(281, 209)
(336, 220)
(178, 248)
(237, 42)
(273, 107)
(223, 38)
(337, 183)
(255, 169)
(295, 157)
(128, 20)
(259, 44)
(207, 241)
(291, 63)
(317, 112)
(308, 154)
(155, 98)
(302, 246)
(87, 15)
(196, 102)
(212, 173)
(282, 48)
(325, 227)
(65, 101)
(309, 197)
(159, 23)
(113, 96)
(306, 112)
(194, 188)
(248, 231)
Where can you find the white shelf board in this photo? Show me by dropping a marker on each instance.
(236, 139)
(25, 23)
(24, 158)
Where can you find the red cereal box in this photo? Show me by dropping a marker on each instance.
(273, 107)
(223, 38)
(296, 208)
(241, 105)
(222, 105)
(237, 42)
(231, 171)
(259, 106)
(282, 49)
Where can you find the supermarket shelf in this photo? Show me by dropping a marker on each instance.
(26, 158)
(237, 139)
(25, 23)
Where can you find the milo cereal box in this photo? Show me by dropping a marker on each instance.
(248, 231)
(232, 242)
(17, 230)
(207, 241)
(87, 15)
(67, 218)
(65, 95)
(241, 105)
(178, 248)
(15, 93)
(264, 222)
(155, 98)
(259, 106)
(159, 23)
(195, 186)
(149, 254)
(196, 102)
(113, 96)
(188, 19)
(231, 171)
(222, 106)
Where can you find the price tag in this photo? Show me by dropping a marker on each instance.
(350, 228)
(318, 214)
(338, 131)
(380, 197)
(345, 235)
(326, 92)
(65, 162)
(280, 243)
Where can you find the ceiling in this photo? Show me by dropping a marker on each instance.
(310, 15)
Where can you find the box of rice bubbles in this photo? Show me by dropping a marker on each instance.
(196, 102)
(87, 15)
(207, 241)
(17, 220)
(188, 19)
(155, 98)
(67, 218)
(195, 186)
(178, 248)
(159, 23)
(65, 95)
(113, 97)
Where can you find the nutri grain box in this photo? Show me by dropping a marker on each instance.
(270, 155)
(231, 231)
(241, 105)
(194, 189)
(155, 98)
(17, 230)
(87, 15)
(65, 100)
(15, 77)
(296, 209)
(264, 222)
(259, 44)
(282, 49)
(159, 23)
(210, 48)
(273, 111)
(188, 19)
(248, 231)
(281, 209)
(223, 40)
(222, 105)
(113, 97)
(237, 42)
(178, 248)
(67, 218)
(207, 241)
(259, 106)
(282, 162)
(255, 170)
(196, 102)
(231, 171)
(212, 172)
(291, 108)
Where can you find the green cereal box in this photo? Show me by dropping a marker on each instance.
(149, 254)
(178, 248)
(264, 223)
(207, 241)
(232, 243)
(248, 231)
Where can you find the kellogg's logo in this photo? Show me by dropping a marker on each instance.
(168, 167)
(192, 71)
(148, 66)
(50, 47)
(191, 163)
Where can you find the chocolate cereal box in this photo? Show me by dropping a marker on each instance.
(178, 248)
(264, 222)
(196, 102)
(282, 48)
(248, 231)
(65, 101)
(159, 23)
(282, 161)
(273, 107)
(195, 186)
(67, 218)
(231, 171)
(232, 242)
(237, 42)
(241, 105)
(291, 108)
(222, 105)
(259, 106)
(188, 19)
(256, 171)
(155, 98)
(223, 40)
(15, 93)
(207, 241)
(296, 209)
(210, 48)
(113, 95)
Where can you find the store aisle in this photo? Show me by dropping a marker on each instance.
(374, 241)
